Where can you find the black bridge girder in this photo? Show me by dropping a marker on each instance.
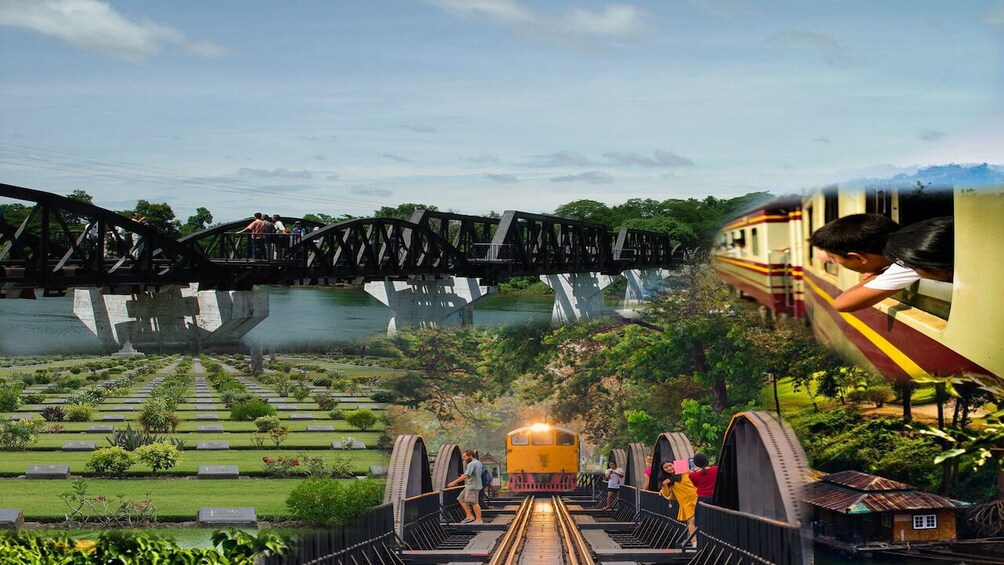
(64, 243)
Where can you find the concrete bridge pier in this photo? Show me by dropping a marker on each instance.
(577, 296)
(177, 316)
(429, 301)
(643, 284)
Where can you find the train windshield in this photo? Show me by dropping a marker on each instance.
(521, 438)
(543, 438)
(565, 439)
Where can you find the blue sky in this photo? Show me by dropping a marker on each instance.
(479, 105)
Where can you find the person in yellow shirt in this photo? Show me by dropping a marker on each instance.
(680, 488)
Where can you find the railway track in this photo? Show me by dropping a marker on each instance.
(543, 531)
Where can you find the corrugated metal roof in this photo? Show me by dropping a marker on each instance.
(871, 494)
(863, 481)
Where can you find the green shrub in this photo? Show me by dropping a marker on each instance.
(362, 419)
(156, 417)
(79, 412)
(231, 397)
(266, 423)
(337, 414)
(32, 398)
(10, 395)
(384, 396)
(158, 456)
(18, 435)
(72, 383)
(300, 392)
(251, 410)
(323, 381)
(325, 401)
(330, 502)
(113, 461)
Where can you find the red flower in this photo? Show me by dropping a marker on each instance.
(296, 463)
(100, 498)
(266, 460)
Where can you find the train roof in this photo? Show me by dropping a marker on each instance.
(780, 203)
(551, 427)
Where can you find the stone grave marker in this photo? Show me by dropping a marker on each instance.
(79, 446)
(212, 446)
(124, 408)
(218, 472)
(100, 429)
(378, 470)
(207, 417)
(301, 416)
(11, 518)
(209, 429)
(230, 516)
(320, 428)
(48, 472)
(113, 418)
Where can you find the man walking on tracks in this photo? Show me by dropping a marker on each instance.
(468, 498)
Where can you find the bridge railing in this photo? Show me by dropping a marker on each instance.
(658, 523)
(420, 516)
(452, 512)
(492, 253)
(370, 539)
(721, 530)
(247, 248)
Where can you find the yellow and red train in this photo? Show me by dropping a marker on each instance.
(931, 328)
(542, 458)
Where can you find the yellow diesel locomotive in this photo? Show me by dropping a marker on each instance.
(542, 458)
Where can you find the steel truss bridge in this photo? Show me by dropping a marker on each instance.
(63, 243)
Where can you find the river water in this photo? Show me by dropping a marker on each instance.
(307, 317)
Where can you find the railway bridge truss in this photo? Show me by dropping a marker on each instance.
(429, 270)
(755, 517)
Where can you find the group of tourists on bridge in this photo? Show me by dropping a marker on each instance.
(269, 238)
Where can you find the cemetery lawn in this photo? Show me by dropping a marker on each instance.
(176, 500)
(247, 461)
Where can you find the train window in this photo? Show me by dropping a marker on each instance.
(565, 439)
(521, 438)
(933, 297)
(878, 201)
(543, 438)
(831, 205)
(755, 242)
(923, 203)
(808, 223)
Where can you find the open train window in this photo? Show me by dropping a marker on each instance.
(543, 438)
(831, 211)
(565, 439)
(808, 222)
(916, 204)
(933, 297)
(521, 438)
(755, 242)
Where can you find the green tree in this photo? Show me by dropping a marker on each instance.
(585, 211)
(200, 220)
(401, 211)
(158, 216)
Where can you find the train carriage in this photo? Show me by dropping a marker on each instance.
(542, 458)
(929, 329)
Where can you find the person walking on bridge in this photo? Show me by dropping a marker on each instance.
(471, 477)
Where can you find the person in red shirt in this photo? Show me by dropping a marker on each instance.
(704, 477)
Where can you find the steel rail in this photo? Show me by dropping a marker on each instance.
(575, 544)
(507, 552)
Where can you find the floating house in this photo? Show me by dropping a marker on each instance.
(854, 509)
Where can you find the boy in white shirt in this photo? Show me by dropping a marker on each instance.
(857, 242)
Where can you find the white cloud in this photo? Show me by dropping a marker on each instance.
(274, 173)
(660, 159)
(592, 177)
(501, 177)
(562, 159)
(830, 50)
(931, 135)
(615, 22)
(96, 26)
(368, 191)
(419, 128)
(397, 158)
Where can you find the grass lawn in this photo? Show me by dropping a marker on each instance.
(13, 464)
(321, 419)
(295, 440)
(8, 371)
(178, 499)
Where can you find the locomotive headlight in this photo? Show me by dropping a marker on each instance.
(540, 427)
